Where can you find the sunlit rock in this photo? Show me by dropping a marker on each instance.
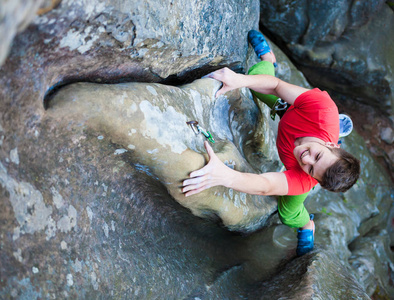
(148, 122)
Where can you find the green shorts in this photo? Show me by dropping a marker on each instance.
(292, 211)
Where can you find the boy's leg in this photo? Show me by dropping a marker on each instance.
(292, 211)
(261, 47)
(266, 67)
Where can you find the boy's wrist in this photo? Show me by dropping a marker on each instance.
(230, 178)
(242, 80)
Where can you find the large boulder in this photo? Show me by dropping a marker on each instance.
(93, 140)
(148, 122)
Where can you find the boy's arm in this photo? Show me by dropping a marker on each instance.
(217, 173)
(265, 84)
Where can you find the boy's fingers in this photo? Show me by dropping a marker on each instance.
(222, 91)
(208, 76)
(198, 173)
(194, 180)
(196, 191)
(213, 75)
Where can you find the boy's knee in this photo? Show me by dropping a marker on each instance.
(286, 220)
(292, 211)
(295, 221)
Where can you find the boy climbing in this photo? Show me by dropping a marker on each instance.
(308, 133)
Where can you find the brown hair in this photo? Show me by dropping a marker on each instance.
(342, 174)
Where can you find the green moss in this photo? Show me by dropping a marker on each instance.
(377, 295)
(324, 211)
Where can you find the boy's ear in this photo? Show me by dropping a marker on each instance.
(332, 145)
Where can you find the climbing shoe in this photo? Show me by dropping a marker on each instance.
(305, 239)
(259, 44)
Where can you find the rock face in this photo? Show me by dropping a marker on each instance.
(15, 16)
(344, 46)
(148, 123)
(93, 143)
(291, 283)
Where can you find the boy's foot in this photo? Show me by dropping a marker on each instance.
(260, 46)
(305, 239)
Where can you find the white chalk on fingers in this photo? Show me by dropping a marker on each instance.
(208, 76)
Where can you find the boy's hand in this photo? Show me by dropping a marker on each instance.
(229, 78)
(213, 174)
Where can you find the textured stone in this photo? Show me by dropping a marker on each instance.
(387, 135)
(343, 45)
(15, 16)
(147, 122)
(86, 210)
(373, 262)
(317, 275)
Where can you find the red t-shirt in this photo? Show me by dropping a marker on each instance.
(313, 114)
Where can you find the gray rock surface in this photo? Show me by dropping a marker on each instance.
(343, 46)
(373, 248)
(15, 16)
(387, 135)
(294, 281)
(88, 211)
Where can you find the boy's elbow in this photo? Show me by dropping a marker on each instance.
(274, 184)
(278, 86)
(266, 192)
(265, 189)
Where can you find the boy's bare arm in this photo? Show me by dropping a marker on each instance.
(217, 173)
(265, 84)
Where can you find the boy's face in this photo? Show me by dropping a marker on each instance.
(314, 158)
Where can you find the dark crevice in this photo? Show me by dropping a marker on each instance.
(173, 80)
(51, 92)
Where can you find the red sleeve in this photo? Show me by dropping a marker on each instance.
(299, 182)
